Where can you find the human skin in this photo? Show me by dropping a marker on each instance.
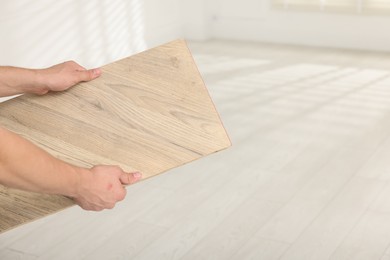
(25, 166)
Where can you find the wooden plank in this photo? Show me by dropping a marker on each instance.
(149, 112)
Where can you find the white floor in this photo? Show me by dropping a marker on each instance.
(308, 176)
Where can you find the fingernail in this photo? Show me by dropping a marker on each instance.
(137, 175)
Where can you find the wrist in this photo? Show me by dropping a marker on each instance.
(80, 179)
(41, 82)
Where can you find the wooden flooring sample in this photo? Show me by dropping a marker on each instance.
(150, 112)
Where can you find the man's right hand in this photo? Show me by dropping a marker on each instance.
(101, 187)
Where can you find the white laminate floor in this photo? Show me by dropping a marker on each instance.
(308, 176)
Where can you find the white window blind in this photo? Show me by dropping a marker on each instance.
(351, 6)
(377, 5)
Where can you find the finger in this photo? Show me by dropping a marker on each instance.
(88, 75)
(110, 206)
(130, 178)
(121, 194)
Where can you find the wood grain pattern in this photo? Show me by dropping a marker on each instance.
(150, 112)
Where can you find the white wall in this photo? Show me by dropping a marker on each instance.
(254, 20)
(95, 32)
(195, 19)
(40, 33)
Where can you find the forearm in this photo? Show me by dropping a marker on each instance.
(25, 166)
(19, 80)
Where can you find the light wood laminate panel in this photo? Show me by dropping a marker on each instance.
(150, 112)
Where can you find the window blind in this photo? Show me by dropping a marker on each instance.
(351, 6)
(377, 5)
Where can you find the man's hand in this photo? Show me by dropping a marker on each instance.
(26, 166)
(14, 80)
(101, 187)
(63, 76)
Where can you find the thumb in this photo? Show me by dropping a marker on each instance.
(87, 75)
(130, 178)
